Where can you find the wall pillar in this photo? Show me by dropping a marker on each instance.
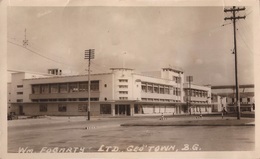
(113, 109)
(132, 109)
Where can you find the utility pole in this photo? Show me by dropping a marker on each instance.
(25, 41)
(89, 54)
(189, 79)
(234, 18)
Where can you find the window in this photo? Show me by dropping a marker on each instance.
(63, 88)
(174, 91)
(19, 100)
(19, 86)
(94, 86)
(248, 99)
(73, 87)
(54, 88)
(150, 89)
(19, 93)
(43, 107)
(83, 86)
(105, 108)
(44, 88)
(123, 80)
(72, 99)
(177, 79)
(161, 90)
(178, 91)
(156, 89)
(144, 88)
(35, 89)
(82, 108)
(94, 99)
(123, 98)
(123, 86)
(166, 90)
(35, 100)
(62, 99)
(123, 92)
(43, 100)
(83, 99)
(62, 108)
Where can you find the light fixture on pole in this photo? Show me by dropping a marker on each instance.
(89, 54)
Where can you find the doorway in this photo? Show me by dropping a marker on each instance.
(21, 110)
(121, 109)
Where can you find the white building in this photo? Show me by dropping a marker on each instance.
(120, 92)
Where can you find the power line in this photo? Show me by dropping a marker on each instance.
(34, 52)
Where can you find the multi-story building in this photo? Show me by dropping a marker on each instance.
(228, 98)
(120, 92)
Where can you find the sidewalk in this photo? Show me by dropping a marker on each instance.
(191, 121)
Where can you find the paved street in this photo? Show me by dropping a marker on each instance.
(63, 134)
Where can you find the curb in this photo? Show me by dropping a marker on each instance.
(185, 125)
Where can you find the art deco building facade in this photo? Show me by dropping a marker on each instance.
(120, 92)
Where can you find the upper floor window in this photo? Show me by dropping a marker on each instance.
(19, 93)
(73, 87)
(36, 89)
(123, 86)
(54, 88)
(123, 80)
(19, 86)
(44, 88)
(123, 92)
(123, 98)
(83, 86)
(63, 88)
(19, 100)
(94, 86)
(156, 89)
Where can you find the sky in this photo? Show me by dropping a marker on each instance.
(141, 38)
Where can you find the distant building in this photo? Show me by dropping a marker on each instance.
(228, 99)
(120, 92)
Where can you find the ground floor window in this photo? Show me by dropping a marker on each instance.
(62, 108)
(105, 108)
(82, 107)
(43, 108)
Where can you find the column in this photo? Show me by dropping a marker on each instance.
(132, 109)
(113, 109)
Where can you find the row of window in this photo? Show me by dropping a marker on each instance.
(160, 89)
(123, 98)
(157, 100)
(241, 99)
(196, 93)
(104, 108)
(64, 87)
(63, 108)
(64, 99)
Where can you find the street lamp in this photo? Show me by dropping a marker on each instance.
(89, 54)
